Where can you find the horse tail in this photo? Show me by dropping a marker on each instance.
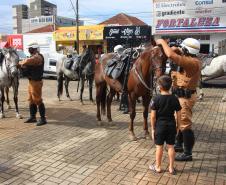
(60, 79)
(103, 98)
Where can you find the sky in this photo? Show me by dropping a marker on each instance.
(92, 11)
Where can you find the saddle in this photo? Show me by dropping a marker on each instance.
(72, 63)
(115, 67)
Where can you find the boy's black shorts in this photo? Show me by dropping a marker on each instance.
(165, 133)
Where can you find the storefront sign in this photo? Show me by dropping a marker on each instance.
(85, 33)
(15, 41)
(203, 2)
(127, 32)
(188, 16)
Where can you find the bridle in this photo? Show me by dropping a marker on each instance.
(152, 71)
(8, 67)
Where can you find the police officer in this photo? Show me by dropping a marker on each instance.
(35, 67)
(185, 80)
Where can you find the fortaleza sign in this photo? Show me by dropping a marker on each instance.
(188, 22)
(188, 16)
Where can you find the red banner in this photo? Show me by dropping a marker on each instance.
(15, 41)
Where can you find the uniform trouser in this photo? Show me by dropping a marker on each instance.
(186, 122)
(35, 92)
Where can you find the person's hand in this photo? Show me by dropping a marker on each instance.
(160, 41)
(153, 134)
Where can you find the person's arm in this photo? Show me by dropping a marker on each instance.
(178, 118)
(187, 63)
(33, 61)
(153, 122)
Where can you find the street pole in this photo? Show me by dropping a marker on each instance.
(77, 25)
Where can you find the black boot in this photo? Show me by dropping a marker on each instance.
(33, 111)
(179, 142)
(42, 112)
(189, 140)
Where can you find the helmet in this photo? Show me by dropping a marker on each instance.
(192, 45)
(118, 49)
(33, 45)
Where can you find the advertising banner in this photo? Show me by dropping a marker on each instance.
(15, 41)
(183, 16)
(85, 33)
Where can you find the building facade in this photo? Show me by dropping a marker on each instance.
(204, 20)
(90, 35)
(37, 14)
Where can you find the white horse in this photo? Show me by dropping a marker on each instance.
(84, 70)
(212, 69)
(215, 69)
(9, 77)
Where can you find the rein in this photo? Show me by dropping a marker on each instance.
(140, 76)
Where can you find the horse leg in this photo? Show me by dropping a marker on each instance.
(146, 101)
(98, 101)
(109, 100)
(82, 82)
(91, 89)
(2, 115)
(132, 111)
(66, 84)
(7, 98)
(15, 97)
(60, 80)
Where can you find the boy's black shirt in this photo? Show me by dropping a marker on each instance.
(165, 106)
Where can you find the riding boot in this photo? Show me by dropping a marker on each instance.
(42, 111)
(179, 142)
(33, 111)
(189, 140)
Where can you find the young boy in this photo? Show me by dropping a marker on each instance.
(163, 123)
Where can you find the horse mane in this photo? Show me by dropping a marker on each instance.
(146, 53)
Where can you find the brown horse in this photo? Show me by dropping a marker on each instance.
(151, 63)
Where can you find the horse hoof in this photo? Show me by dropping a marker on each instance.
(133, 138)
(19, 116)
(2, 116)
(81, 103)
(99, 123)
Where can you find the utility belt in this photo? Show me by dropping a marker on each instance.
(183, 93)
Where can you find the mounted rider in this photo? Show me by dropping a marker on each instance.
(185, 78)
(35, 67)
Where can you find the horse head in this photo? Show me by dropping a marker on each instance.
(156, 59)
(10, 61)
(86, 57)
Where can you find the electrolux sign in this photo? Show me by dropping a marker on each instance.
(203, 2)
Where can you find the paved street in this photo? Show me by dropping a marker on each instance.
(72, 149)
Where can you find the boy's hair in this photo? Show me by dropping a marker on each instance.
(165, 82)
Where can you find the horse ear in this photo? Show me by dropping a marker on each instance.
(153, 43)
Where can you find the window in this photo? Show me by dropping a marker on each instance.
(52, 62)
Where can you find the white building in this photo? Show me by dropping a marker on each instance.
(204, 20)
